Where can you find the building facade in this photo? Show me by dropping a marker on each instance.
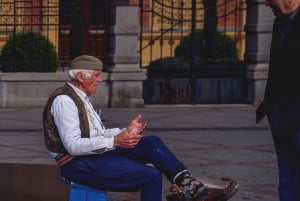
(127, 35)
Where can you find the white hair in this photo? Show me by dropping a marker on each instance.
(86, 73)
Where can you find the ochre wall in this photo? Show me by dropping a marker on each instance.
(48, 23)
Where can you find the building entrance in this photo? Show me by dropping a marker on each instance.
(82, 28)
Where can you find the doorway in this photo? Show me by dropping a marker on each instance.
(82, 29)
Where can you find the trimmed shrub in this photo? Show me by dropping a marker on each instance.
(168, 67)
(28, 52)
(225, 63)
(225, 48)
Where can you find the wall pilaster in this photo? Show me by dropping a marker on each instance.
(125, 76)
(258, 38)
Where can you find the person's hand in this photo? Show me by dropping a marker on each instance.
(131, 136)
(126, 139)
(136, 126)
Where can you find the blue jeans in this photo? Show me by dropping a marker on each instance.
(126, 170)
(285, 130)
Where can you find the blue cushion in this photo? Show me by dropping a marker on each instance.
(83, 193)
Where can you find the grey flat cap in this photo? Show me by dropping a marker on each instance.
(86, 62)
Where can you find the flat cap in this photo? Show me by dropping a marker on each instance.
(86, 62)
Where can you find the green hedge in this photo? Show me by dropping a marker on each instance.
(225, 47)
(28, 52)
(226, 60)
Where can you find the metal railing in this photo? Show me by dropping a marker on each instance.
(164, 23)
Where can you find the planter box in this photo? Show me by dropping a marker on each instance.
(219, 82)
(205, 91)
(33, 89)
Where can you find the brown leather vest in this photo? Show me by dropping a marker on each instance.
(51, 135)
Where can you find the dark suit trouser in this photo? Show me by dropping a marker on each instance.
(285, 130)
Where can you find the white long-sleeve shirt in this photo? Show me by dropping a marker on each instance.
(65, 114)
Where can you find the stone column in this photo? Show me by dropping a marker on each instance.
(258, 39)
(125, 76)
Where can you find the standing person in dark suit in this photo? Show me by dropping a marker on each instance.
(281, 103)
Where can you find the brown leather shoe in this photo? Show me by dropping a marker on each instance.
(221, 193)
(210, 193)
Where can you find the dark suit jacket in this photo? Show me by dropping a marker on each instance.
(283, 84)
